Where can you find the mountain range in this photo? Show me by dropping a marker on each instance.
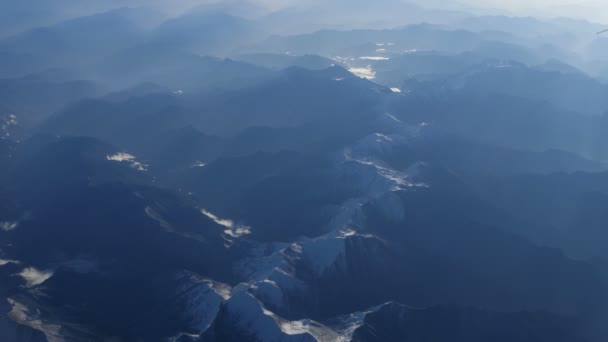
(232, 173)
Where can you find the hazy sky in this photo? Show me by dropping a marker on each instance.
(596, 10)
(16, 15)
(590, 9)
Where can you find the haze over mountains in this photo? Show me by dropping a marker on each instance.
(302, 171)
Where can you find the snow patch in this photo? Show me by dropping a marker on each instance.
(238, 231)
(250, 316)
(371, 177)
(198, 164)
(233, 230)
(122, 157)
(4, 262)
(374, 58)
(34, 277)
(392, 117)
(6, 125)
(222, 222)
(366, 72)
(361, 166)
(343, 60)
(399, 178)
(22, 315)
(350, 323)
(8, 226)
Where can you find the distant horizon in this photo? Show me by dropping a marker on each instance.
(19, 17)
